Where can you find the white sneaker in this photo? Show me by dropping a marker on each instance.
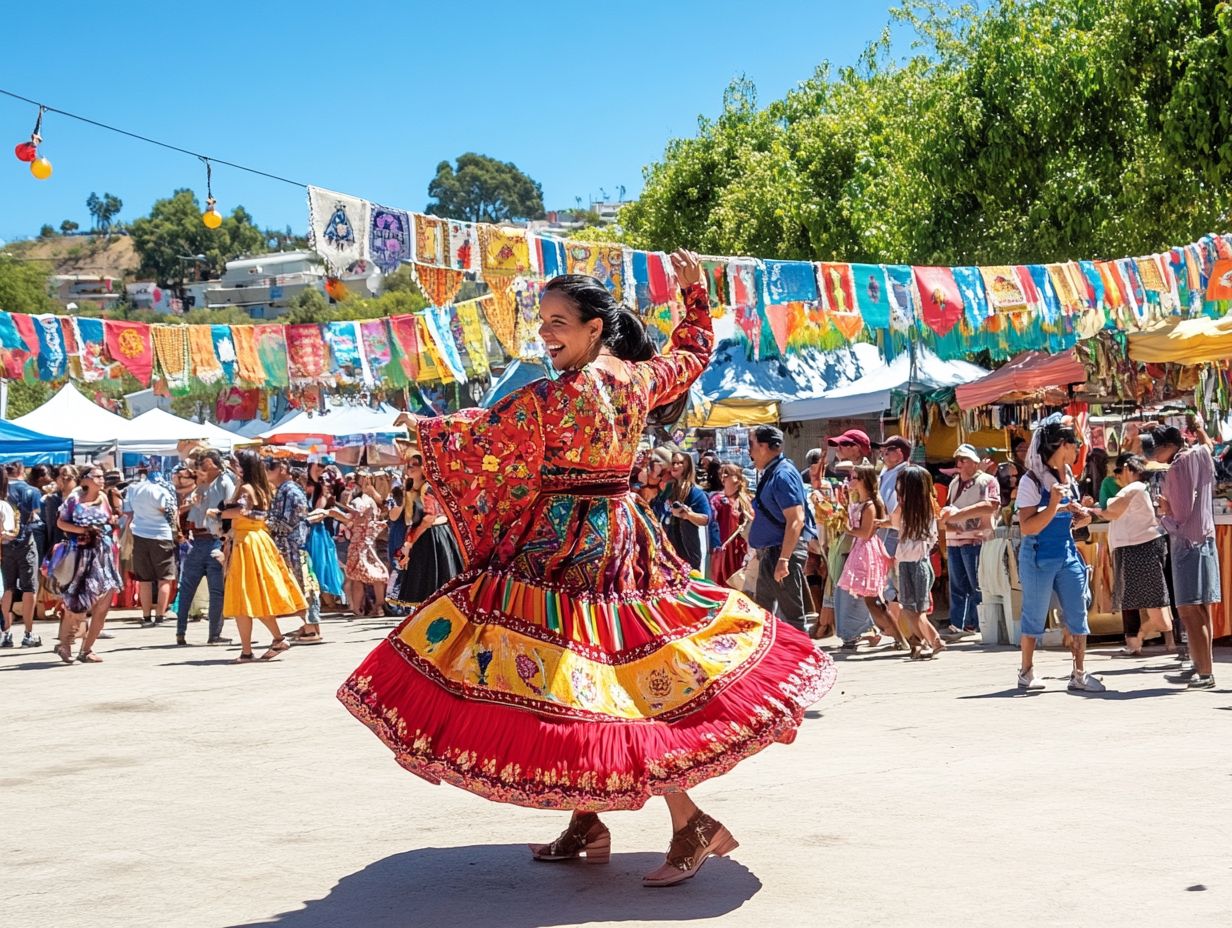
(1085, 683)
(1028, 681)
(32, 641)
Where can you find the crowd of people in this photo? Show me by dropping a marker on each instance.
(843, 547)
(229, 536)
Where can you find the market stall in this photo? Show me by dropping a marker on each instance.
(29, 447)
(1025, 374)
(159, 432)
(70, 415)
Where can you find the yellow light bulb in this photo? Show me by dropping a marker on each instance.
(211, 218)
(40, 168)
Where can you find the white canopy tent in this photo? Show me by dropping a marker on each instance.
(337, 423)
(871, 394)
(68, 414)
(157, 431)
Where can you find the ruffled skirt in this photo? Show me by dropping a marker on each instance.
(432, 562)
(867, 569)
(526, 695)
(258, 582)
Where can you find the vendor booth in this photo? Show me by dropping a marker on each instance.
(1184, 341)
(157, 431)
(872, 393)
(70, 415)
(1025, 374)
(19, 444)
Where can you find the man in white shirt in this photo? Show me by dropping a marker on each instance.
(150, 506)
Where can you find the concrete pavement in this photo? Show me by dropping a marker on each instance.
(168, 788)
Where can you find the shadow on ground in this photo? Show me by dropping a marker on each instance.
(500, 885)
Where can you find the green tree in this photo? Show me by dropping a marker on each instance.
(1018, 131)
(104, 209)
(67, 227)
(483, 189)
(24, 287)
(173, 233)
(27, 395)
(47, 231)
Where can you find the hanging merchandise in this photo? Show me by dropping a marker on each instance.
(790, 282)
(389, 238)
(224, 350)
(525, 294)
(902, 297)
(172, 353)
(436, 321)
(432, 367)
(129, 343)
(974, 298)
(338, 227)
(941, 305)
(439, 284)
(404, 342)
(600, 260)
(205, 364)
(463, 243)
(13, 351)
(374, 334)
(272, 350)
(52, 358)
(1004, 289)
(473, 340)
(92, 339)
(872, 294)
(306, 355)
(236, 405)
(429, 240)
(248, 367)
(715, 272)
(345, 351)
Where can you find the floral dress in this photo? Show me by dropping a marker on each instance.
(733, 548)
(576, 663)
(364, 564)
(97, 574)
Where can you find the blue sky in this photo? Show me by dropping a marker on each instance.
(367, 99)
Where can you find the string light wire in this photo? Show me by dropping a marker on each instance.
(142, 138)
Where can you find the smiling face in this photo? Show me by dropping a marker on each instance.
(967, 468)
(570, 342)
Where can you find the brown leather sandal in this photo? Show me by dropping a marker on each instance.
(691, 847)
(279, 645)
(585, 836)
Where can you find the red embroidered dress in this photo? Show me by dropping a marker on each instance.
(576, 664)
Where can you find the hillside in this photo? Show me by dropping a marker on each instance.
(81, 254)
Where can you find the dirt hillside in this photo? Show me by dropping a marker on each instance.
(81, 254)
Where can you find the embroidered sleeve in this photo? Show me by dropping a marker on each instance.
(670, 374)
(484, 466)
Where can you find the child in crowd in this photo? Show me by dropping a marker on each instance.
(868, 565)
(915, 520)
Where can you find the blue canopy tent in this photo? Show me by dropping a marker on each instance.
(22, 444)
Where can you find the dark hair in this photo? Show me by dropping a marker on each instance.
(1097, 468)
(1052, 437)
(1135, 463)
(40, 472)
(769, 435)
(915, 502)
(4, 483)
(1167, 436)
(866, 474)
(623, 332)
(252, 472)
(211, 455)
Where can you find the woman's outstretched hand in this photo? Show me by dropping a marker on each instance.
(405, 420)
(687, 267)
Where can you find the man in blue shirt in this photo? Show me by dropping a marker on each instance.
(782, 527)
(20, 558)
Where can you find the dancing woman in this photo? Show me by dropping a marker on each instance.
(259, 584)
(576, 664)
(364, 566)
(87, 518)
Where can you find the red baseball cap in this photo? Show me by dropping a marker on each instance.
(852, 437)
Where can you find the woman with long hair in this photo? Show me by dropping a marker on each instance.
(429, 553)
(915, 520)
(868, 565)
(1139, 556)
(733, 513)
(87, 519)
(1049, 510)
(688, 513)
(578, 663)
(322, 484)
(258, 584)
(364, 565)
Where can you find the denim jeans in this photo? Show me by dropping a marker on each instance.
(199, 563)
(1047, 578)
(965, 599)
(851, 615)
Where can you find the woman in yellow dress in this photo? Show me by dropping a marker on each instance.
(258, 584)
